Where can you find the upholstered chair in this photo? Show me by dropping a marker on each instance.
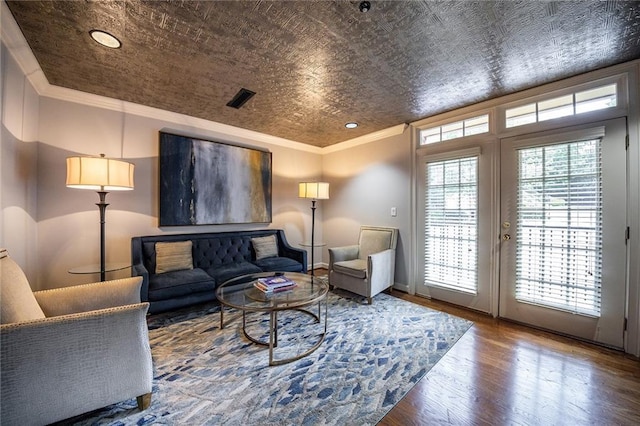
(368, 267)
(68, 351)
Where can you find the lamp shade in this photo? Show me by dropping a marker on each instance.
(314, 190)
(99, 174)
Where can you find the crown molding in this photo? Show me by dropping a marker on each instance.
(169, 117)
(365, 139)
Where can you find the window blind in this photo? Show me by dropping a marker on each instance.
(559, 232)
(451, 226)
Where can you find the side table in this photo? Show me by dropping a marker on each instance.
(95, 269)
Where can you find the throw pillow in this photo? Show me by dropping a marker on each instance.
(265, 247)
(173, 256)
(17, 302)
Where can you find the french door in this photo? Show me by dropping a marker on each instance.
(457, 249)
(532, 229)
(563, 227)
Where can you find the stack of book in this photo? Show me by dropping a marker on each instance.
(274, 284)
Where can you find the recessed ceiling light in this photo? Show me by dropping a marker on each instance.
(364, 6)
(351, 125)
(105, 39)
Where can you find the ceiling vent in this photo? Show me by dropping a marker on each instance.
(240, 98)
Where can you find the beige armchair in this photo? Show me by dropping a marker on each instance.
(368, 267)
(68, 351)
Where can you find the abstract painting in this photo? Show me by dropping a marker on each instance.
(204, 182)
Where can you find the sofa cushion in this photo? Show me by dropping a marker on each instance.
(215, 251)
(227, 271)
(175, 256)
(355, 268)
(178, 283)
(265, 247)
(17, 302)
(279, 264)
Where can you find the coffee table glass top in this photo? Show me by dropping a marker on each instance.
(240, 292)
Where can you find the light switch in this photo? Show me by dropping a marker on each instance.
(394, 212)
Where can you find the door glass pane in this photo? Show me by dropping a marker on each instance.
(559, 235)
(451, 226)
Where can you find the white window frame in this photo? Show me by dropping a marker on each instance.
(451, 143)
(621, 108)
(463, 128)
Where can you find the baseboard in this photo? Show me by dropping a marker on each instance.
(321, 265)
(401, 287)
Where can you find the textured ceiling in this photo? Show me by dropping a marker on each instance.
(316, 65)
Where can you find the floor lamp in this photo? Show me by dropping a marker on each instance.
(102, 175)
(315, 191)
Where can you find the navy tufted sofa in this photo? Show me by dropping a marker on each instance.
(217, 257)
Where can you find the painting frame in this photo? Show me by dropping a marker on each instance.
(207, 182)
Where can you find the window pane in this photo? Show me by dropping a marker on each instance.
(585, 101)
(430, 136)
(476, 125)
(451, 206)
(471, 126)
(595, 99)
(521, 115)
(559, 244)
(555, 108)
(452, 131)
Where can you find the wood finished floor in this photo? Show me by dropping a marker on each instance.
(500, 373)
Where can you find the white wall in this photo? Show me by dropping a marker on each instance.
(366, 181)
(18, 165)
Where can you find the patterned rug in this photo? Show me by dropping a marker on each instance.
(372, 355)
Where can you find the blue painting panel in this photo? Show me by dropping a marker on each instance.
(206, 183)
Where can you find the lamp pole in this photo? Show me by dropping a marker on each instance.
(313, 191)
(313, 227)
(102, 205)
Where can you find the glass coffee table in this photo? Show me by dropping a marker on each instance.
(240, 293)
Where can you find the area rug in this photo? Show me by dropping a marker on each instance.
(371, 357)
